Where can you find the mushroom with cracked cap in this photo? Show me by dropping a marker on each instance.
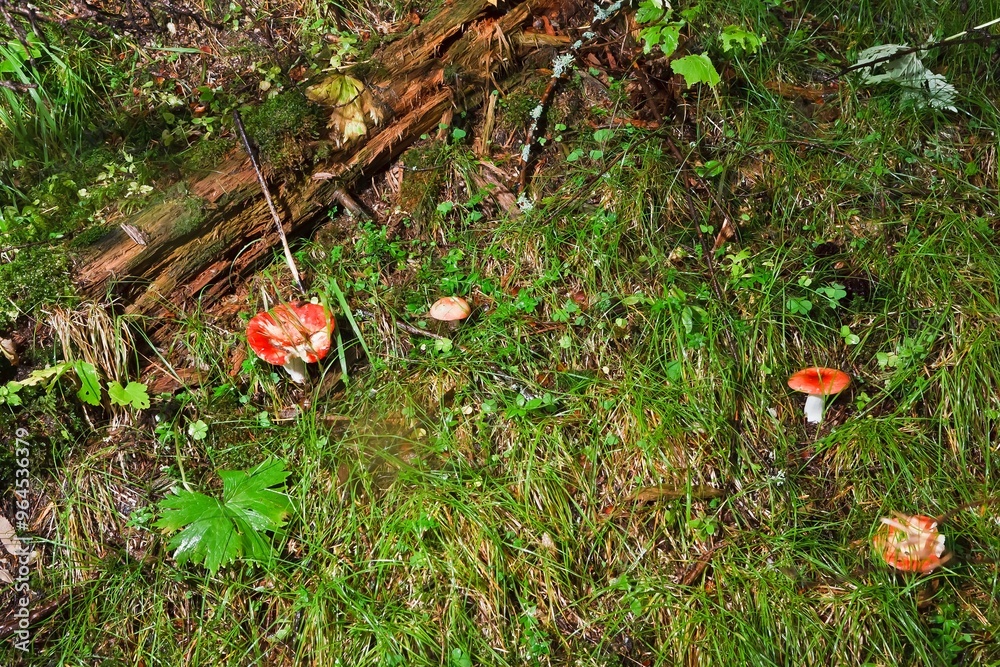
(291, 336)
(911, 543)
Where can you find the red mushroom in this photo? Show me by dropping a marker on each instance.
(819, 383)
(291, 336)
(911, 543)
(450, 309)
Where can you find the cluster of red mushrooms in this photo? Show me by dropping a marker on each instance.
(296, 334)
(907, 543)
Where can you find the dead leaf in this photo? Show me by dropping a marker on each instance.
(6, 576)
(727, 232)
(8, 537)
(8, 350)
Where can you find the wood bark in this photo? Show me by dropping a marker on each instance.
(209, 233)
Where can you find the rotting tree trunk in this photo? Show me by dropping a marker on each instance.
(209, 233)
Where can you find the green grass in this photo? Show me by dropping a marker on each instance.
(441, 521)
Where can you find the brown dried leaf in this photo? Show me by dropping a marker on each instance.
(8, 536)
(8, 350)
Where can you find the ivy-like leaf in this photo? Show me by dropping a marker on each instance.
(696, 69)
(665, 35)
(734, 35)
(217, 532)
(90, 385)
(134, 394)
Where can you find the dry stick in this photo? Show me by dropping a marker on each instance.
(951, 514)
(529, 140)
(35, 616)
(954, 40)
(700, 566)
(270, 204)
(17, 87)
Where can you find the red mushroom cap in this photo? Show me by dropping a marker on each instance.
(291, 330)
(911, 543)
(819, 381)
(450, 308)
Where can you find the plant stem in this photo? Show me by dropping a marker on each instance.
(267, 196)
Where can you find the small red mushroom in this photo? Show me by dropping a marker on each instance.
(911, 543)
(818, 383)
(291, 336)
(450, 308)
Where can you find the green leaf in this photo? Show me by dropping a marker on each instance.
(666, 35)
(217, 532)
(710, 169)
(8, 393)
(649, 12)
(134, 394)
(198, 430)
(41, 375)
(603, 134)
(90, 385)
(733, 34)
(696, 69)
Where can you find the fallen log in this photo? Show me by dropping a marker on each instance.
(209, 233)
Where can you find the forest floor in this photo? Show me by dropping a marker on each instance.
(603, 465)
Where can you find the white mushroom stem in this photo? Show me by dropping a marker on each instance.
(296, 367)
(814, 408)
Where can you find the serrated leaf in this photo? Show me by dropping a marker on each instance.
(696, 69)
(134, 394)
(665, 35)
(90, 385)
(216, 532)
(909, 72)
(649, 12)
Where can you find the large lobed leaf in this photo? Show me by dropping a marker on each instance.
(217, 532)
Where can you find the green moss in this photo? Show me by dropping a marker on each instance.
(90, 236)
(517, 107)
(283, 128)
(205, 155)
(423, 180)
(38, 275)
(192, 212)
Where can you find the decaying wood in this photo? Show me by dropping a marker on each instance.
(207, 234)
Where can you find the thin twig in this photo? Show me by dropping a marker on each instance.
(270, 204)
(17, 87)
(944, 43)
(38, 614)
(416, 331)
(951, 514)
